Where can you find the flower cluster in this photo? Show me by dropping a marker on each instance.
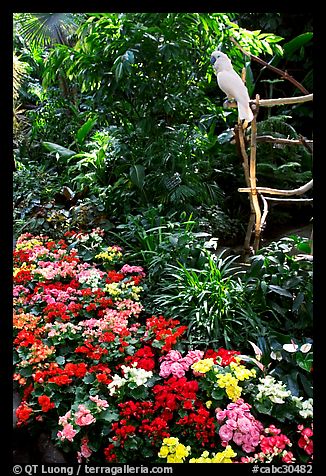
(305, 441)
(239, 426)
(115, 384)
(273, 445)
(305, 407)
(173, 362)
(221, 457)
(272, 389)
(173, 451)
(225, 377)
(132, 375)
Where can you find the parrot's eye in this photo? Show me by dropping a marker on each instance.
(213, 59)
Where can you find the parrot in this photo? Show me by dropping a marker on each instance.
(231, 84)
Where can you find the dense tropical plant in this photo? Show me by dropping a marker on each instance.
(232, 308)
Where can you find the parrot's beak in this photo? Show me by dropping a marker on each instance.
(213, 59)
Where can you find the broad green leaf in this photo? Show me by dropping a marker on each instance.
(297, 302)
(304, 361)
(297, 43)
(85, 129)
(62, 151)
(137, 175)
(108, 415)
(280, 290)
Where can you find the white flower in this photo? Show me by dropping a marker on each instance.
(305, 407)
(272, 389)
(133, 374)
(117, 382)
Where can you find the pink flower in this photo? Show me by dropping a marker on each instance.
(131, 269)
(255, 437)
(177, 370)
(238, 438)
(244, 424)
(248, 448)
(232, 424)
(220, 416)
(165, 369)
(100, 403)
(194, 356)
(307, 432)
(63, 420)
(288, 457)
(67, 433)
(173, 355)
(232, 414)
(85, 451)
(84, 417)
(225, 433)
(85, 420)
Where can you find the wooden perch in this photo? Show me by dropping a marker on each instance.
(289, 200)
(278, 140)
(257, 219)
(274, 102)
(275, 191)
(281, 101)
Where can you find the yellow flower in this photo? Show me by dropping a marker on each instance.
(222, 457)
(181, 451)
(208, 404)
(164, 451)
(241, 372)
(230, 383)
(203, 366)
(171, 441)
(29, 245)
(113, 289)
(173, 451)
(233, 392)
(172, 459)
(224, 380)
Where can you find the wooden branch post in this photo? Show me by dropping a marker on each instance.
(257, 219)
(253, 180)
(240, 140)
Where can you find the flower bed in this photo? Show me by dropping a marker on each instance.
(113, 384)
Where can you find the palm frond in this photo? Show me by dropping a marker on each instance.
(44, 29)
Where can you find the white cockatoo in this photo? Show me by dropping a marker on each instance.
(231, 84)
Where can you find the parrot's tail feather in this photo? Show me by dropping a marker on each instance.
(245, 112)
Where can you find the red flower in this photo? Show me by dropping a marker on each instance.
(77, 370)
(24, 338)
(114, 277)
(225, 356)
(45, 403)
(305, 442)
(23, 412)
(174, 393)
(143, 357)
(60, 380)
(201, 425)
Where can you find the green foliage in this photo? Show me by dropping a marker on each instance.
(227, 306)
(288, 359)
(282, 166)
(134, 96)
(155, 242)
(34, 187)
(207, 300)
(279, 288)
